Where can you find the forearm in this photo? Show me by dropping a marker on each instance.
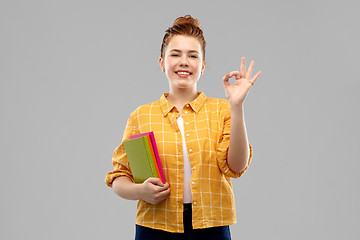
(125, 188)
(239, 151)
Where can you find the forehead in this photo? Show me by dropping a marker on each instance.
(184, 43)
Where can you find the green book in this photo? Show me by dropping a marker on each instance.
(140, 159)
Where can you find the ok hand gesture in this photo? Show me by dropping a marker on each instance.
(237, 92)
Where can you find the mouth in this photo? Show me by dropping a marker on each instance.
(183, 74)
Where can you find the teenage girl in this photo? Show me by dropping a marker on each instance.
(202, 143)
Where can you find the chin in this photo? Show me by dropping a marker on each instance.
(185, 84)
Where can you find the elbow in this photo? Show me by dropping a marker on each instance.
(238, 165)
(238, 160)
(238, 169)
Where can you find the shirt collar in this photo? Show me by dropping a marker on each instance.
(196, 104)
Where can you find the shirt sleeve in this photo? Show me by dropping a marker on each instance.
(119, 158)
(223, 146)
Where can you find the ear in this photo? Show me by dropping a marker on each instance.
(203, 67)
(161, 63)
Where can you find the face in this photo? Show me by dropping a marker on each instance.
(183, 61)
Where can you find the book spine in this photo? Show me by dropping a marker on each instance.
(156, 152)
(153, 155)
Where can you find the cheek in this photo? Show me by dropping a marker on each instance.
(197, 66)
(169, 66)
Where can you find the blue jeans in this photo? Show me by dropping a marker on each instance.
(218, 233)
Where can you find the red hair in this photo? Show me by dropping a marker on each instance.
(187, 26)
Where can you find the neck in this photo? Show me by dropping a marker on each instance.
(181, 96)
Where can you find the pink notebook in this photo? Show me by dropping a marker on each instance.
(153, 142)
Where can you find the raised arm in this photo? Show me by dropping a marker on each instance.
(239, 151)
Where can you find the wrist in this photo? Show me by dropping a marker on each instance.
(237, 108)
(138, 191)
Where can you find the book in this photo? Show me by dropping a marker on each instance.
(140, 158)
(153, 157)
(155, 152)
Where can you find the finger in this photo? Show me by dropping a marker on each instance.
(161, 196)
(155, 181)
(243, 67)
(226, 79)
(165, 193)
(160, 189)
(237, 74)
(250, 69)
(255, 77)
(163, 188)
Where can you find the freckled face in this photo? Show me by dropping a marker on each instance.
(183, 61)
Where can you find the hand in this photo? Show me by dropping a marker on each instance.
(237, 92)
(154, 191)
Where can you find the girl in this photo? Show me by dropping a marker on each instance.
(198, 149)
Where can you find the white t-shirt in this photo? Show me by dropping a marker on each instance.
(187, 198)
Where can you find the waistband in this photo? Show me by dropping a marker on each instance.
(187, 206)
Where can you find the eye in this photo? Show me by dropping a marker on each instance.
(174, 55)
(194, 56)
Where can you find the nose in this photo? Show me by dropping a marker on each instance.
(184, 61)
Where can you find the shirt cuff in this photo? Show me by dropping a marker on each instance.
(114, 174)
(224, 167)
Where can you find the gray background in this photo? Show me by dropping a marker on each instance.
(72, 71)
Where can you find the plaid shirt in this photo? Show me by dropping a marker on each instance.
(207, 134)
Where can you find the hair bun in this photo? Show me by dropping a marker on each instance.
(186, 26)
(187, 19)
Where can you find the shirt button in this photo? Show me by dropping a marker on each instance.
(187, 105)
(194, 203)
(185, 112)
(187, 134)
(186, 123)
(193, 183)
(193, 168)
(190, 150)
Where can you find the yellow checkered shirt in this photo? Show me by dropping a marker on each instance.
(207, 134)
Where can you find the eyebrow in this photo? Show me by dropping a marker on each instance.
(178, 50)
